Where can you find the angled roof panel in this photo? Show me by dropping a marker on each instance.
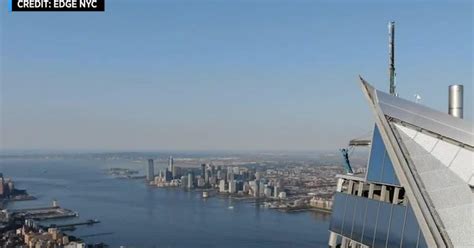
(427, 118)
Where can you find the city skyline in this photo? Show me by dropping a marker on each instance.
(221, 76)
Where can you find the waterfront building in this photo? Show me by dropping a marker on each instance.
(267, 192)
(222, 186)
(203, 170)
(246, 187)
(282, 195)
(254, 186)
(170, 163)
(190, 180)
(150, 175)
(2, 186)
(184, 181)
(275, 191)
(232, 186)
(418, 187)
(213, 180)
(200, 182)
(168, 176)
(261, 188)
(206, 176)
(175, 173)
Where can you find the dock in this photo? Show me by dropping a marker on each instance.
(44, 213)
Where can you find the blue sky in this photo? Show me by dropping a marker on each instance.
(199, 75)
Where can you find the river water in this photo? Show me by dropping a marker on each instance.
(136, 215)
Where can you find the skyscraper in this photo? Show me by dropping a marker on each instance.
(418, 188)
(203, 170)
(190, 180)
(232, 186)
(2, 186)
(170, 164)
(150, 175)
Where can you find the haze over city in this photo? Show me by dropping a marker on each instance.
(167, 75)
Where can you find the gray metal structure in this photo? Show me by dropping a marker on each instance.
(391, 48)
(456, 105)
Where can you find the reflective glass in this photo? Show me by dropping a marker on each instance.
(359, 217)
(370, 221)
(388, 174)
(337, 215)
(349, 216)
(383, 223)
(376, 157)
(396, 226)
(422, 242)
(410, 233)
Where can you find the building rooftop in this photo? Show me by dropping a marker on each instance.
(433, 157)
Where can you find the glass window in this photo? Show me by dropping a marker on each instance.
(359, 217)
(376, 157)
(370, 221)
(422, 241)
(349, 216)
(337, 215)
(383, 223)
(410, 233)
(380, 166)
(396, 226)
(388, 174)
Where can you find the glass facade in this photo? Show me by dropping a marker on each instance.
(380, 166)
(375, 223)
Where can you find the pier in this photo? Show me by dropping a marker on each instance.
(44, 213)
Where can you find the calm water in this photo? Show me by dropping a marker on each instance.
(140, 216)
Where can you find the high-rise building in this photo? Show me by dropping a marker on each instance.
(200, 182)
(276, 190)
(2, 186)
(203, 170)
(168, 176)
(418, 187)
(150, 173)
(175, 172)
(222, 186)
(254, 188)
(262, 187)
(170, 163)
(232, 186)
(267, 192)
(184, 181)
(206, 176)
(190, 180)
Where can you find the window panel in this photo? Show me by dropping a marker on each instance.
(383, 223)
(422, 242)
(396, 226)
(359, 217)
(388, 174)
(376, 157)
(410, 233)
(370, 219)
(337, 215)
(349, 216)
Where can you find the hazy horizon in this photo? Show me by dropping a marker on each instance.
(210, 76)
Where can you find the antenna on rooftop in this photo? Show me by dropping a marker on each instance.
(391, 51)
